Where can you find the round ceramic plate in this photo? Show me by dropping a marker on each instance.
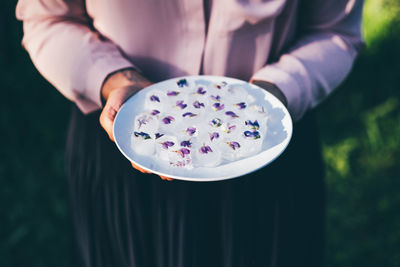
(279, 125)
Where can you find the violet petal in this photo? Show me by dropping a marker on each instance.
(158, 135)
(214, 135)
(190, 131)
(172, 93)
(215, 98)
(183, 151)
(168, 120)
(167, 144)
(180, 104)
(234, 145)
(201, 91)
(154, 98)
(205, 149)
(186, 143)
(154, 112)
(231, 114)
(197, 104)
(218, 106)
(241, 105)
(190, 114)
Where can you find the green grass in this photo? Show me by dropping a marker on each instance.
(360, 132)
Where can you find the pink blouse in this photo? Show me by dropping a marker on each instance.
(306, 48)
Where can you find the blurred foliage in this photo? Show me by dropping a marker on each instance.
(360, 132)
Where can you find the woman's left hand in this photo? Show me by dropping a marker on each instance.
(117, 88)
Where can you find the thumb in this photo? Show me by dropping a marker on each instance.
(107, 117)
(114, 102)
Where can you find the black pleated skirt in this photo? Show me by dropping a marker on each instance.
(121, 217)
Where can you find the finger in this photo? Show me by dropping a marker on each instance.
(107, 117)
(166, 178)
(113, 104)
(139, 168)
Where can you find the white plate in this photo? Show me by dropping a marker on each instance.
(279, 133)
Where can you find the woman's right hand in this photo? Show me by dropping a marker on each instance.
(117, 88)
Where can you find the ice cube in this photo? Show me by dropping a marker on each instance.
(206, 155)
(145, 122)
(236, 94)
(142, 143)
(155, 99)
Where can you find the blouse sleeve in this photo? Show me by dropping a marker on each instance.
(67, 51)
(321, 57)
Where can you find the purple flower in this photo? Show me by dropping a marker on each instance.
(253, 134)
(233, 145)
(154, 98)
(197, 104)
(158, 135)
(201, 91)
(216, 98)
(143, 135)
(216, 122)
(168, 120)
(172, 93)
(205, 149)
(220, 85)
(154, 112)
(180, 104)
(214, 135)
(230, 128)
(231, 114)
(190, 114)
(218, 106)
(181, 83)
(190, 131)
(183, 152)
(240, 105)
(143, 120)
(186, 143)
(254, 125)
(167, 144)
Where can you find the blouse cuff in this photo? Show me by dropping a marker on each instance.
(90, 100)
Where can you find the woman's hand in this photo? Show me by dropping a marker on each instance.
(117, 88)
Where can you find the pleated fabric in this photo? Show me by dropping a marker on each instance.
(121, 217)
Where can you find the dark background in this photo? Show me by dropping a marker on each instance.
(360, 134)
